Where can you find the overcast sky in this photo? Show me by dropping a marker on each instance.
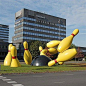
(74, 11)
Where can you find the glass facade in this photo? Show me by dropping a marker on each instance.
(32, 25)
(4, 33)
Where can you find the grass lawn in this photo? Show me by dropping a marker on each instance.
(41, 69)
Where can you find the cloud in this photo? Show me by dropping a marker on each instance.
(82, 33)
(74, 11)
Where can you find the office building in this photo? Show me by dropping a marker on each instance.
(82, 50)
(33, 25)
(3, 50)
(4, 37)
(4, 33)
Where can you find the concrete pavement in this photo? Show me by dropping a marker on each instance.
(45, 79)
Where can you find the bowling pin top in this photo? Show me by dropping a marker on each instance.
(53, 43)
(9, 47)
(25, 44)
(66, 42)
(75, 32)
(40, 48)
(13, 51)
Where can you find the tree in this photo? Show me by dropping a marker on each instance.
(79, 54)
(34, 47)
(72, 46)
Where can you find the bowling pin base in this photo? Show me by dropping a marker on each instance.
(27, 58)
(14, 63)
(8, 59)
(60, 63)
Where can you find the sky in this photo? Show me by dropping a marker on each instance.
(74, 11)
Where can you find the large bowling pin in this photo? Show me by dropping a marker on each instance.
(17, 58)
(53, 43)
(8, 57)
(27, 54)
(65, 56)
(66, 42)
(40, 48)
(60, 63)
(52, 50)
(15, 62)
(42, 51)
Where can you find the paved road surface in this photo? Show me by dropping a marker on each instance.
(45, 79)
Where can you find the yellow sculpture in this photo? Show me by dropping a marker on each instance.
(60, 63)
(15, 62)
(65, 54)
(27, 54)
(53, 43)
(53, 47)
(42, 51)
(52, 50)
(66, 42)
(8, 57)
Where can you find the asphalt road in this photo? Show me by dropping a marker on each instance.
(45, 79)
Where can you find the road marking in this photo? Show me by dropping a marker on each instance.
(6, 79)
(17, 85)
(2, 77)
(12, 82)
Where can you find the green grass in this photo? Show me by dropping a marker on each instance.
(41, 69)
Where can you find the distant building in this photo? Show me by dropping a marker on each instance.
(83, 49)
(3, 50)
(33, 25)
(81, 53)
(4, 33)
(4, 37)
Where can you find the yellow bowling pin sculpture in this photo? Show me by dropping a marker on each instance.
(40, 48)
(65, 56)
(27, 54)
(52, 51)
(52, 43)
(66, 42)
(15, 61)
(61, 63)
(42, 51)
(8, 57)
